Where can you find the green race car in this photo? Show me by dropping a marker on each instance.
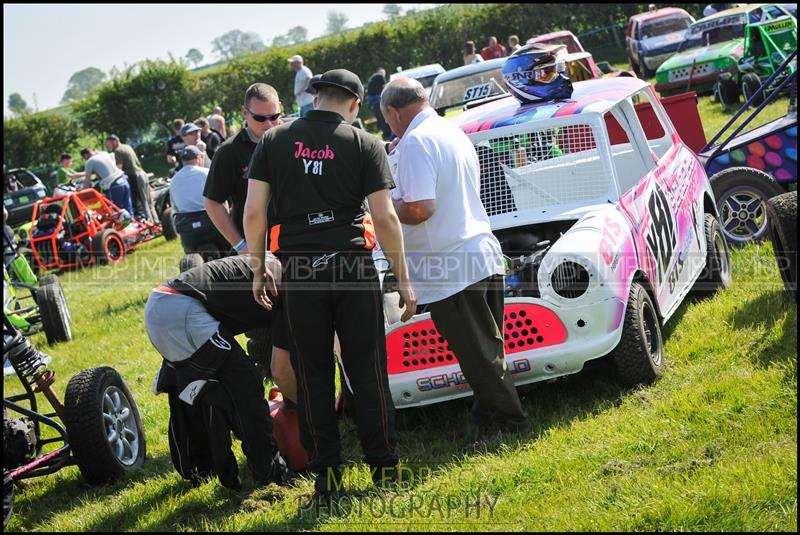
(730, 50)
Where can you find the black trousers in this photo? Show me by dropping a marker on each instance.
(232, 400)
(342, 295)
(472, 323)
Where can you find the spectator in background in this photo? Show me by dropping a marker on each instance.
(302, 79)
(513, 44)
(493, 50)
(470, 55)
(113, 181)
(174, 146)
(374, 87)
(66, 173)
(127, 160)
(652, 7)
(212, 138)
(192, 222)
(190, 133)
(217, 122)
(710, 9)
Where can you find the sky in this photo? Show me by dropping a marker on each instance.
(45, 44)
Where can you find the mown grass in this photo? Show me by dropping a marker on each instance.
(712, 446)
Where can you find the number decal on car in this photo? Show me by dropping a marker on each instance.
(661, 236)
(608, 244)
(477, 91)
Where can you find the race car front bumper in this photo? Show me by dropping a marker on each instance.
(542, 342)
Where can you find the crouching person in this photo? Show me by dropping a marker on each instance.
(213, 387)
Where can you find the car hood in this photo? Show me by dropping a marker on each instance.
(701, 55)
(662, 43)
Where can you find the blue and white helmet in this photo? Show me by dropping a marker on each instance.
(536, 72)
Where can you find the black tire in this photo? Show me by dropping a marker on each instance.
(94, 407)
(639, 356)
(190, 261)
(741, 194)
(716, 274)
(108, 247)
(168, 224)
(727, 89)
(259, 348)
(53, 309)
(782, 215)
(750, 84)
(8, 497)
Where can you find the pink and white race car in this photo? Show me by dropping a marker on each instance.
(607, 221)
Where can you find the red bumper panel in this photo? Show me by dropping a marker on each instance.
(420, 346)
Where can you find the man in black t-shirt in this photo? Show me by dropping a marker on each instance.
(174, 146)
(192, 320)
(316, 172)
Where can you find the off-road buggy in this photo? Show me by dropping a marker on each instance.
(82, 228)
(97, 427)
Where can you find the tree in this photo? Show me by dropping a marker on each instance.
(17, 104)
(81, 84)
(337, 21)
(194, 56)
(237, 43)
(281, 40)
(297, 35)
(392, 10)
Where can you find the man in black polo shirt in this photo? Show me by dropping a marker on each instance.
(226, 183)
(317, 171)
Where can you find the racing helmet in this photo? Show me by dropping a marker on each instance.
(536, 72)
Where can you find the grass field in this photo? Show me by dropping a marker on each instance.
(711, 446)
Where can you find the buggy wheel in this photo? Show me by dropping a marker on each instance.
(716, 274)
(53, 309)
(108, 247)
(168, 224)
(741, 194)
(750, 84)
(782, 217)
(639, 356)
(103, 425)
(8, 496)
(727, 90)
(190, 261)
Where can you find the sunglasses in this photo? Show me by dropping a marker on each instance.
(262, 118)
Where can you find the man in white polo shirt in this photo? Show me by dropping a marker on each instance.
(113, 181)
(455, 262)
(302, 79)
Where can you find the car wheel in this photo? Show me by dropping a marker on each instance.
(190, 261)
(727, 90)
(750, 84)
(103, 425)
(782, 216)
(108, 247)
(168, 224)
(53, 309)
(639, 356)
(716, 274)
(741, 194)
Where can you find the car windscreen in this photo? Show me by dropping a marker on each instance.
(653, 28)
(459, 91)
(16, 180)
(714, 31)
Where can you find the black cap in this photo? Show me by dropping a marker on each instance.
(343, 79)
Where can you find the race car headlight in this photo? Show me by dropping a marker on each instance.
(570, 280)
